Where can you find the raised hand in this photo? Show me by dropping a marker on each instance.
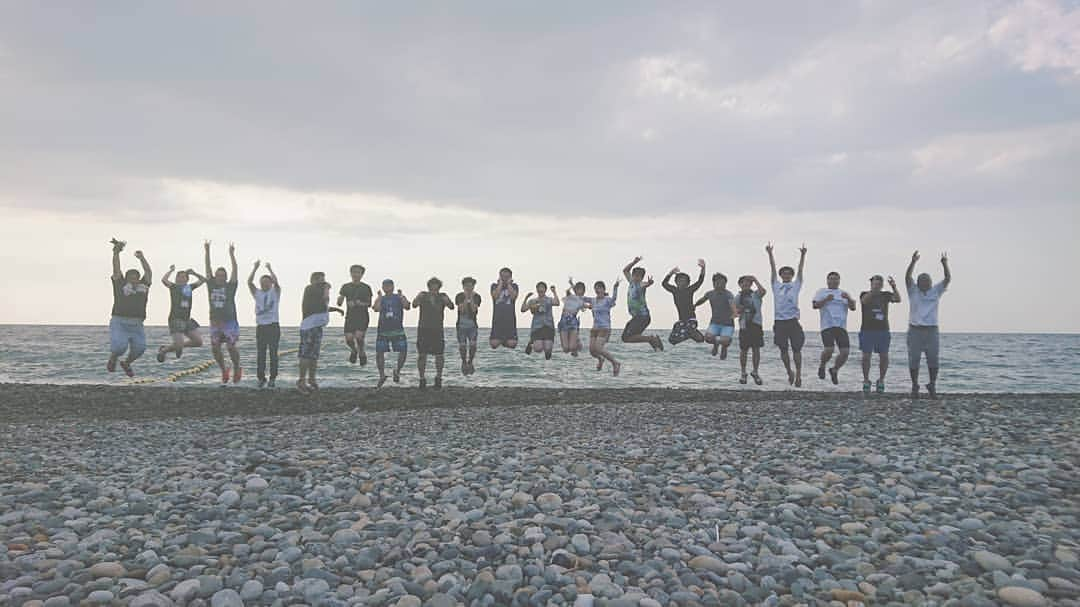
(232, 248)
(256, 264)
(914, 257)
(638, 258)
(769, 247)
(268, 266)
(944, 258)
(206, 245)
(138, 255)
(802, 249)
(172, 267)
(617, 281)
(674, 270)
(701, 263)
(892, 282)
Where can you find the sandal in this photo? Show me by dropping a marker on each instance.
(742, 379)
(757, 378)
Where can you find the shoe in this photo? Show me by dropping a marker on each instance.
(224, 376)
(821, 372)
(111, 365)
(438, 382)
(866, 387)
(161, 354)
(423, 383)
(353, 356)
(528, 348)
(301, 386)
(270, 384)
(931, 389)
(382, 380)
(236, 376)
(715, 349)
(757, 378)
(742, 379)
(835, 376)
(363, 359)
(880, 387)
(126, 366)
(659, 344)
(262, 383)
(397, 376)
(723, 353)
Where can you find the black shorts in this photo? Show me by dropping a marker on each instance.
(636, 326)
(430, 341)
(788, 333)
(837, 336)
(542, 334)
(751, 336)
(357, 320)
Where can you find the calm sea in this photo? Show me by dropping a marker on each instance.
(970, 363)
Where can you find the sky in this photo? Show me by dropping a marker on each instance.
(557, 138)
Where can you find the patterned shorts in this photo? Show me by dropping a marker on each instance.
(311, 343)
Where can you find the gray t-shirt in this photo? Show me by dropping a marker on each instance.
(543, 317)
(721, 307)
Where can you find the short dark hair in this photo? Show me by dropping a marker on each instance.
(127, 275)
(579, 285)
(434, 281)
(719, 276)
(357, 268)
(539, 285)
(318, 277)
(744, 277)
(221, 269)
(468, 280)
(833, 273)
(638, 271)
(876, 277)
(599, 285)
(682, 276)
(786, 269)
(507, 270)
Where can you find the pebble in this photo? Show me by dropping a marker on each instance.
(990, 561)
(1021, 597)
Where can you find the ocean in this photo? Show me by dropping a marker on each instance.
(971, 362)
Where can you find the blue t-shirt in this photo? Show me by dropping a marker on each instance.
(222, 301)
(635, 299)
(391, 314)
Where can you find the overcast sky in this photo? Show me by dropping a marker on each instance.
(556, 138)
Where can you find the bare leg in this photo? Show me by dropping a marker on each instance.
(400, 366)
(380, 362)
(797, 355)
(564, 341)
(421, 366)
(757, 359)
(440, 360)
(786, 358)
(883, 366)
(826, 354)
(725, 342)
(866, 366)
(220, 358)
(234, 354)
(841, 358)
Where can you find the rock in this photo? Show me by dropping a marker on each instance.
(990, 561)
(804, 490)
(251, 590)
(548, 501)
(520, 499)
(151, 599)
(107, 570)
(256, 483)
(185, 591)
(228, 498)
(708, 563)
(158, 575)
(409, 601)
(839, 594)
(346, 537)
(226, 598)
(100, 597)
(580, 542)
(1021, 597)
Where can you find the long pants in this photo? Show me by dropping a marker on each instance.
(267, 338)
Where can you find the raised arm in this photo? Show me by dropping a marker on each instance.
(117, 274)
(273, 277)
(761, 290)
(232, 262)
(908, 280)
(772, 261)
(206, 248)
(666, 283)
(405, 304)
(554, 296)
(895, 294)
(251, 277)
(630, 266)
(701, 276)
(147, 274)
(199, 282)
(165, 279)
(615, 291)
(802, 262)
(945, 267)
(377, 304)
(525, 303)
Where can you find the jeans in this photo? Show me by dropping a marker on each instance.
(126, 335)
(267, 338)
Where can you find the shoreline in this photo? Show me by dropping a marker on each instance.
(31, 402)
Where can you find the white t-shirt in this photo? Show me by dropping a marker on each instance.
(266, 305)
(834, 313)
(318, 319)
(786, 299)
(923, 307)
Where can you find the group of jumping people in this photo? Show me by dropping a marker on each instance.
(355, 299)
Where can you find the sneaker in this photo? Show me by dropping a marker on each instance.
(835, 376)
(161, 354)
(126, 366)
(262, 383)
(438, 382)
(866, 387)
(236, 376)
(270, 384)
(880, 387)
(353, 356)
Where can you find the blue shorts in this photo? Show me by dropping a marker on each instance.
(721, 330)
(126, 335)
(876, 342)
(311, 343)
(397, 343)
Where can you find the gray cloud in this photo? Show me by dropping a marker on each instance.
(606, 108)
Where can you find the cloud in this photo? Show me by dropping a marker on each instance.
(1040, 35)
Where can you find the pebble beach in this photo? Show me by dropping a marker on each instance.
(151, 496)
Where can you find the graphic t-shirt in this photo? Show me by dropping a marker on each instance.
(222, 301)
(266, 305)
(875, 312)
(635, 299)
(601, 308)
(505, 295)
(433, 310)
(721, 302)
(129, 300)
(834, 312)
(466, 318)
(391, 316)
(542, 316)
(572, 304)
(355, 292)
(180, 308)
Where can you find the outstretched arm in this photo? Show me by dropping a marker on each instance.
(206, 247)
(165, 279)
(701, 276)
(630, 266)
(704, 298)
(908, 280)
(251, 277)
(147, 274)
(116, 273)
(772, 261)
(273, 276)
(232, 261)
(945, 266)
(802, 262)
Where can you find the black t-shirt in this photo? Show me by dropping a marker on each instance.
(433, 310)
(467, 315)
(129, 300)
(314, 301)
(180, 295)
(355, 292)
(875, 313)
(222, 301)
